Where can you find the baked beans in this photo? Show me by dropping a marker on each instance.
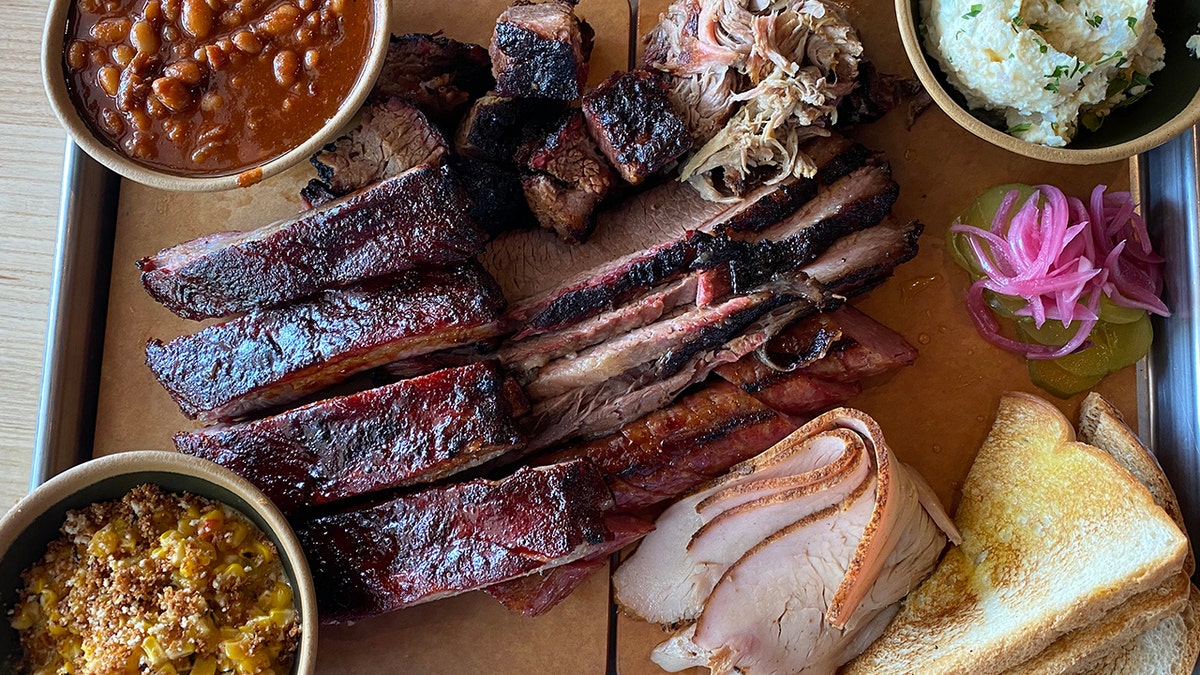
(212, 87)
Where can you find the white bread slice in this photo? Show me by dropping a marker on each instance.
(1102, 426)
(1169, 648)
(1055, 535)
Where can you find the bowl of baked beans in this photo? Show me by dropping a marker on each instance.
(153, 561)
(209, 94)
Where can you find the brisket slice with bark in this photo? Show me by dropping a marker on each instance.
(565, 178)
(635, 125)
(448, 540)
(393, 137)
(228, 371)
(439, 75)
(411, 432)
(541, 50)
(417, 218)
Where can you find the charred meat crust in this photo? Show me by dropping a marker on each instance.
(635, 125)
(417, 218)
(448, 540)
(410, 432)
(497, 197)
(541, 50)
(439, 75)
(227, 371)
(492, 129)
(393, 137)
(877, 264)
(565, 178)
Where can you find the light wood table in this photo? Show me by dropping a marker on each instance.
(31, 156)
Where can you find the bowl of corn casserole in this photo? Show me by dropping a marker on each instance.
(153, 562)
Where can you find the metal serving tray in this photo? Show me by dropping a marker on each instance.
(1167, 182)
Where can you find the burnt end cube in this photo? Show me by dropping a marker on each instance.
(497, 196)
(492, 129)
(541, 50)
(565, 178)
(632, 120)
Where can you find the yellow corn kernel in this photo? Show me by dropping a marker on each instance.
(104, 543)
(259, 549)
(238, 531)
(155, 654)
(26, 617)
(205, 665)
(55, 628)
(282, 617)
(233, 570)
(279, 596)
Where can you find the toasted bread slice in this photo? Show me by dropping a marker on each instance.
(1101, 425)
(1169, 648)
(1055, 535)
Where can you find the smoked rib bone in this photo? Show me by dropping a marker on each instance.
(448, 540)
(417, 218)
(227, 371)
(413, 431)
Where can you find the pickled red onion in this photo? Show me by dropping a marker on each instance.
(1061, 256)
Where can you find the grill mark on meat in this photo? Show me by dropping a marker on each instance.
(633, 122)
(436, 73)
(415, 431)
(417, 218)
(447, 540)
(226, 371)
(393, 137)
(541, 50)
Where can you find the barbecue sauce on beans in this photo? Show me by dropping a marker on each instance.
(212, 87)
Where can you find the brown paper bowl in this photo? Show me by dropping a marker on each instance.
(1171, 107)
(54, 81)
(33, 523)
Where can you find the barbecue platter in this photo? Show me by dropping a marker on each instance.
(497, 328)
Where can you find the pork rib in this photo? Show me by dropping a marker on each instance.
(229, 370)
(536, 594)
(417, 218)
(448, 540)
(414, 431)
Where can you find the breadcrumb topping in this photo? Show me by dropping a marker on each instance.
(157, 583)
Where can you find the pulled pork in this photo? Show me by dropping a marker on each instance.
(757, 80)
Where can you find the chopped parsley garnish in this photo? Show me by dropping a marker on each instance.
(1115, 55)
(1053, 86)
(1017, 22)
(1080, 67)
(975, 10)
(1043, 48)
(1131, 21)
(1026, 126)
(1038, 27)
(1095, 21)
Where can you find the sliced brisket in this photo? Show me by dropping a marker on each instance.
(541, 50)
(441, 76)
(417, 218)
(633, 122)
(411, 432)
(266, 358)
(393, 137)
(448, 540)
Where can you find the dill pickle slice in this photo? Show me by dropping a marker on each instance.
(980, 214)
(1058, 382)
(1128, 342)
(1114, 313)
(1052, 333)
